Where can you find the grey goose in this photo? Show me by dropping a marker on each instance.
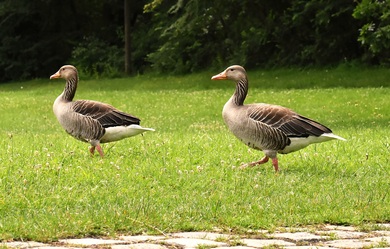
(91, 121)
(270, 128)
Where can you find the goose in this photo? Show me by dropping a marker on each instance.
(269, 128)
(91, 121)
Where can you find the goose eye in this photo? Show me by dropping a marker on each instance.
(231, 69)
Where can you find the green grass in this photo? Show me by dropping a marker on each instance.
(184, 176)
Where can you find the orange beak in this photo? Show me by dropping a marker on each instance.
(55, 76)
(220, 76)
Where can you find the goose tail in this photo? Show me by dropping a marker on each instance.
(140, 128)
(333, 136)
(120, 132)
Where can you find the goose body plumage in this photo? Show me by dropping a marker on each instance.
(91, 121)
(270, 128)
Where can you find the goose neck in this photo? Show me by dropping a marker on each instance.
(70, 88)
(241, 91)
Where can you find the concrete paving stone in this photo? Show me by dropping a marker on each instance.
(348, 243)
(237, 247)
(308, 247)
(257, 231)
(382, 233)
(91, 241)
(340, 234)
(21, 244)
(265, 242)
(342, 228)
(379, 239)
(201, 235)
(139, 246)
(299, 236)
(193, 243)
(141, 238)
(58, 247)
(347, 237)
(293, 229)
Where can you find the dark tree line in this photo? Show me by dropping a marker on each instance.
(183, 36)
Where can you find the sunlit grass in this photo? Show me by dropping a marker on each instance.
(184, 176)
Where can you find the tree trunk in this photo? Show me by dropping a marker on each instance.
(127, 24)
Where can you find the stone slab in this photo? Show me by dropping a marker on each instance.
(377, 240)
(340, 228)
(193, 243)
(348, 243)
(382, 233)
(141, 238)
(380, 238)
(91, 241)
(237, 247)
(58, 247)
(139, 246)
(201, 235)
(21, 244)
(342, 234)
(266, 242)
(299, 236)
(308, 247)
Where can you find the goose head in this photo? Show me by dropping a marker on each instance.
(66, 72)
(234, 73)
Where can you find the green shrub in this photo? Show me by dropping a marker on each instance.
(375, 31)
(96, 58)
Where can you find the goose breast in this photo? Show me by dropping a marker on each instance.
(248, 123)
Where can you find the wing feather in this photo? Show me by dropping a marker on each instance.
(106, 115)
(286, 120)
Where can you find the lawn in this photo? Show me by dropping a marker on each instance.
(185, 176)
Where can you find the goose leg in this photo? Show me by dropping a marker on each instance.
(275, 164)
(96, 145)
(92, 150)
(99, 149)
(261, 161)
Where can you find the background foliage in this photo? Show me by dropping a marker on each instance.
(185, 36)
(375, 32)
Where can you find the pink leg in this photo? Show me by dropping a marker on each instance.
(261, 161)
(99, 149)
(92, 150)
(275, 164)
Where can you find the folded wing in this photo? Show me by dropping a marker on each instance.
(286, 120)
(106, 115)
